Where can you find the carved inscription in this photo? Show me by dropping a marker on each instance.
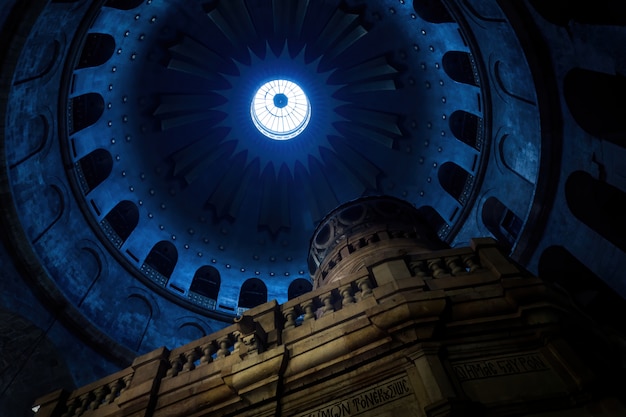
(363, 401)
(509, 365)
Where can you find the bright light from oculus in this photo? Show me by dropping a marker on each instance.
(280, 110)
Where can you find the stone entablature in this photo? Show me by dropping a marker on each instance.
(451, 332)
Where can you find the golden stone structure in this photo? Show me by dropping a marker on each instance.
(396, 325)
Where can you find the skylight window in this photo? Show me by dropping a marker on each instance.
(280, 110)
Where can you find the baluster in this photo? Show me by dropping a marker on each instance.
(207, 353)
(238, 340)
(114, 390)
(99, 394)
(308, 308)
(126, 382)
(224, 345)
(419, 269)
(252, 342)
(346, 295)
(436, 266)
(472, 263)
(175, 366)
(454, 263)
(290, 318)
(191, 357)
(71, 408)
(84, 401)
(327, 299)
(364, 286)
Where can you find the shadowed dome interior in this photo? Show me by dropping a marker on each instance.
(148, 195)
(175, 135)
(141, 206)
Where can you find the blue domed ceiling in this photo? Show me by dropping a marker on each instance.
(151, 175)
(176, 93)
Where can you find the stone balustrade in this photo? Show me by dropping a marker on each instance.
(98, 395)
(404, 293)
(349, 290)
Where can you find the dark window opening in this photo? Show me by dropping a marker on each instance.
(206, 282)
(454, 180)
(432, 11)
(298, 287)
(85, 110)
(123, 219)
(253, 293)
(97, 50)
(94, 168)
(123, 4)
(458, 66)
(465, 127)
(163, 258)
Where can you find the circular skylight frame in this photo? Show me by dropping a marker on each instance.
(280, 109)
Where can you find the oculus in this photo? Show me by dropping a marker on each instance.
(280, 109)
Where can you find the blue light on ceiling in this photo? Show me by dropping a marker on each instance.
(280, 109)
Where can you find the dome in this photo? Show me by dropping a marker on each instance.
(167, 162)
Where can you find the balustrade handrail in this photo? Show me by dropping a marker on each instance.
(119, 375)
(335, 295)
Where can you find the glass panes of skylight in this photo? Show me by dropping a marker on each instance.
(280, 110)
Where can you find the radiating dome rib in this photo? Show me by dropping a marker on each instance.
(275, 206)
(179, 110)
(195, 58)
(357, 131)
(387, 122)
(226, 198)
(374, 68)
(340, 32)
(199, 155)
(367, 171)
(233, 19)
